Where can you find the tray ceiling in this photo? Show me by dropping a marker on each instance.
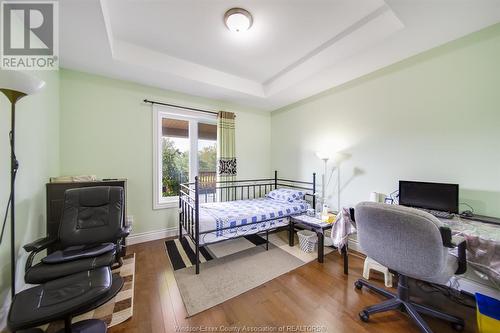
(295, 48)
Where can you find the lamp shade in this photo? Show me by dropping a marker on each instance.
(322, 155)
(16, 84)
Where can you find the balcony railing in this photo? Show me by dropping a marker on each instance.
(207, 180)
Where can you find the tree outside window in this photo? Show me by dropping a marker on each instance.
(176, 147)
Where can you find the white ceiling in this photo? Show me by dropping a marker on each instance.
(295, 48)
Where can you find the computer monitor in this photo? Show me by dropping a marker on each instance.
(435, 196)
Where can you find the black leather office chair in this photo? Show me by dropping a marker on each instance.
(63, 299)
(91, 234)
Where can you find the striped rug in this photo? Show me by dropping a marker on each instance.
(182, 252)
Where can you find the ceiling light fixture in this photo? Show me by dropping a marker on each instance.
(238, 19)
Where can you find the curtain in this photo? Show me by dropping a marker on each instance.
(226, 152)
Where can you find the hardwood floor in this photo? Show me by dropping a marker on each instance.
(314, 294)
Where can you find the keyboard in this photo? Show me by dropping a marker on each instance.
(440, 214)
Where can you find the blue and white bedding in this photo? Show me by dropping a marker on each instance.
(245, 217)
(286, 194)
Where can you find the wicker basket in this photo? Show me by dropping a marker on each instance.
(308, 240)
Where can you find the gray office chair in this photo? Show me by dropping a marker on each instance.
(414, 244)
(91, 234)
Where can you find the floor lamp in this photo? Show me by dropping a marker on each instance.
(15, 85)
(336, 159)
(324, 157)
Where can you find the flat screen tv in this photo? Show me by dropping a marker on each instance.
(435, 196)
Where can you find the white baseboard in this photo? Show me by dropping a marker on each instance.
(353, 244)
(148, 236)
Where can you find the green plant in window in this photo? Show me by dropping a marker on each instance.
(175, 167)
(207, 159)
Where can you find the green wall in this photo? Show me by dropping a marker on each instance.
(433, 117)
(87, 124)
(106, 130)
(37, 143)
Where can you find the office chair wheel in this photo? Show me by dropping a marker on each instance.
(358, 285)
(364, 316)
(457, 327)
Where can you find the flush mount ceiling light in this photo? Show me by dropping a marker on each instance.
(238, 19)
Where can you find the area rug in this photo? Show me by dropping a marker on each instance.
(118, 309)
(232, 267)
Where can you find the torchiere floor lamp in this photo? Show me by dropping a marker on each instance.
(15, 85)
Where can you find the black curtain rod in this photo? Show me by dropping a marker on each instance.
(181, 107)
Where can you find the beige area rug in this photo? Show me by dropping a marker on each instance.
(232, 267)
(118, 309)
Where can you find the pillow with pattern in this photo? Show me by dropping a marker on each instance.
(286, 194)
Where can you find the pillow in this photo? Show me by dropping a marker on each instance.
(286, 194)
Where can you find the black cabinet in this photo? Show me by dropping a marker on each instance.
(55, 200)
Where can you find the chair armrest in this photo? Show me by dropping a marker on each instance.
(35, 247)
(125, 231)
(455, 242)
(39, 244)
(461, 245)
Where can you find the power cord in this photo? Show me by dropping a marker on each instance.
(5, 217)
(469, 206)
(16, 167)
(330, 178)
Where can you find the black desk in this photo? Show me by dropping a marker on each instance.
(305, 222)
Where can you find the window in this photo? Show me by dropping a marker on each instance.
(207, 157)
(175, 148)
(185, 146)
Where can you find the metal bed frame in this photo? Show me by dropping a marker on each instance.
(190, 196)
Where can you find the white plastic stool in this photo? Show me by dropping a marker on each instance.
(372, 264)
